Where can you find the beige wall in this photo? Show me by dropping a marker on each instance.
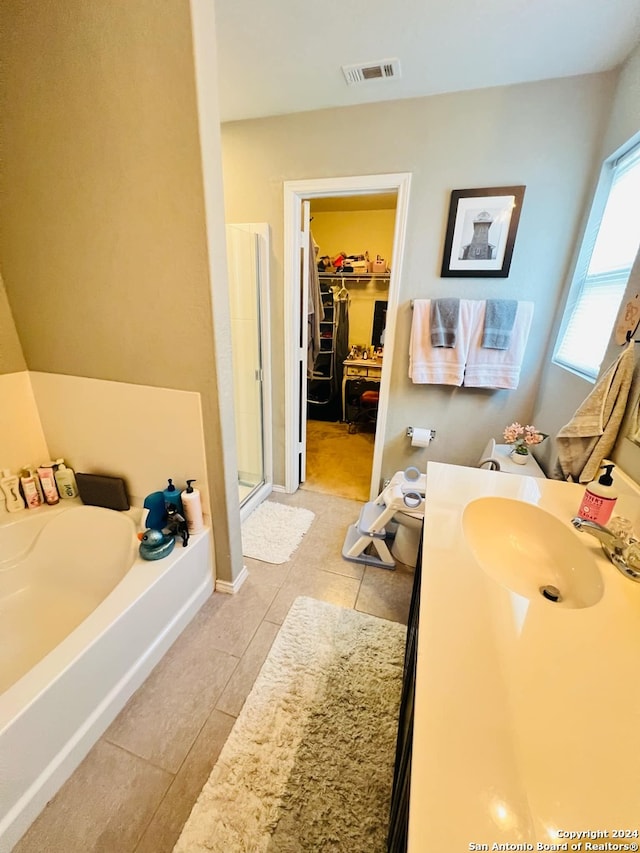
(561, 392)
(545, 135)
(105, 249)
(358, 232)
(11, 355)
(83, 434)
(355, 232)
(22, 439)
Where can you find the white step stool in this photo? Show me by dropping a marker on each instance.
(365, 540)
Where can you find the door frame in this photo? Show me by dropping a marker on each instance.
(295, 192)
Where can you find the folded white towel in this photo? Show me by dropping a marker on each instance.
(440, 365)
(498, 368)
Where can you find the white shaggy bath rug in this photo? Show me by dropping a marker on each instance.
(308, 765)
(273, 531)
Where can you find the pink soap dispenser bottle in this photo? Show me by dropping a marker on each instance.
(599, 498)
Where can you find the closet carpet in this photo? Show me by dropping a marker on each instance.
(338, 463)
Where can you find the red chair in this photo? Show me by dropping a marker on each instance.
(367, 412)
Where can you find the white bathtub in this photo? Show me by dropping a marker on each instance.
(83, 620)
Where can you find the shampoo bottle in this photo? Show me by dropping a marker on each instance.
(172, 496)
(65, 480)
(599, 498)
(10, 485)
(31, 488)
(192, 506)
(47, 479)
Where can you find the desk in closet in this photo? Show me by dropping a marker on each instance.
(359, 368)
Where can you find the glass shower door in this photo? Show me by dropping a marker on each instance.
(244, 301)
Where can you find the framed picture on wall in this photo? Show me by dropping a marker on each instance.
(481, 232)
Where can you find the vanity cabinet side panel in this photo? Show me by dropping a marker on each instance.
(399, 815)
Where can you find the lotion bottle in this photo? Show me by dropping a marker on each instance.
(599, 498)
(10, 485)
(47, 479)
(65, 480)
(192, 505)
(31, 488)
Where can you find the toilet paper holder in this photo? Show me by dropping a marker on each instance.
(410, 433)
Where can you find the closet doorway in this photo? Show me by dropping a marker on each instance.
(334, 430)
(352, 234)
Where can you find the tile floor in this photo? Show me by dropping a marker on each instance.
(136, 788)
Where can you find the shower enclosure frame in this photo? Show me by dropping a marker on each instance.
(262, 231)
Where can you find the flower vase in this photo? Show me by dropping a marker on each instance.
(519, 458)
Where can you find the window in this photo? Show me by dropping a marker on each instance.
(608, 251)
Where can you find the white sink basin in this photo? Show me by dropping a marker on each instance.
(531, 552)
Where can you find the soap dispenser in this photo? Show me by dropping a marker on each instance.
(172, 496)
(600, 497)
(192, 508)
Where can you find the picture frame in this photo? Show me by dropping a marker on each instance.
(481, 232)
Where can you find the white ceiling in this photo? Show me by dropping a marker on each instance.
(284, 56)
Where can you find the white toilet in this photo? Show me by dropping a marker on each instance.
(407, 541)
(409, 488)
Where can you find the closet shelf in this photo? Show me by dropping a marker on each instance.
(354, 276)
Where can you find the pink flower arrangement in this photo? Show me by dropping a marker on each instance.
(523, 437)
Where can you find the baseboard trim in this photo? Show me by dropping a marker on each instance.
(231, 587)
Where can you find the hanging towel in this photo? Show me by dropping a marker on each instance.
(589, 436)
(498, 368)
(439, 365)
(499, 317)
(444, 322)
(341, 307)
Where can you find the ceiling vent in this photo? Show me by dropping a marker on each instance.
(367, 72)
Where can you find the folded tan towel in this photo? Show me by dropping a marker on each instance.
(589, 436)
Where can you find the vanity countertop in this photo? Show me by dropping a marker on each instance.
(527, 715)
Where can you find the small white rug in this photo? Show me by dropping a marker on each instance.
(273, 531)
(308, 765)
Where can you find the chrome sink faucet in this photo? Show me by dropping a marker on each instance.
(621, 552)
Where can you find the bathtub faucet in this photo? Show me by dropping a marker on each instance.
(624, 555)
